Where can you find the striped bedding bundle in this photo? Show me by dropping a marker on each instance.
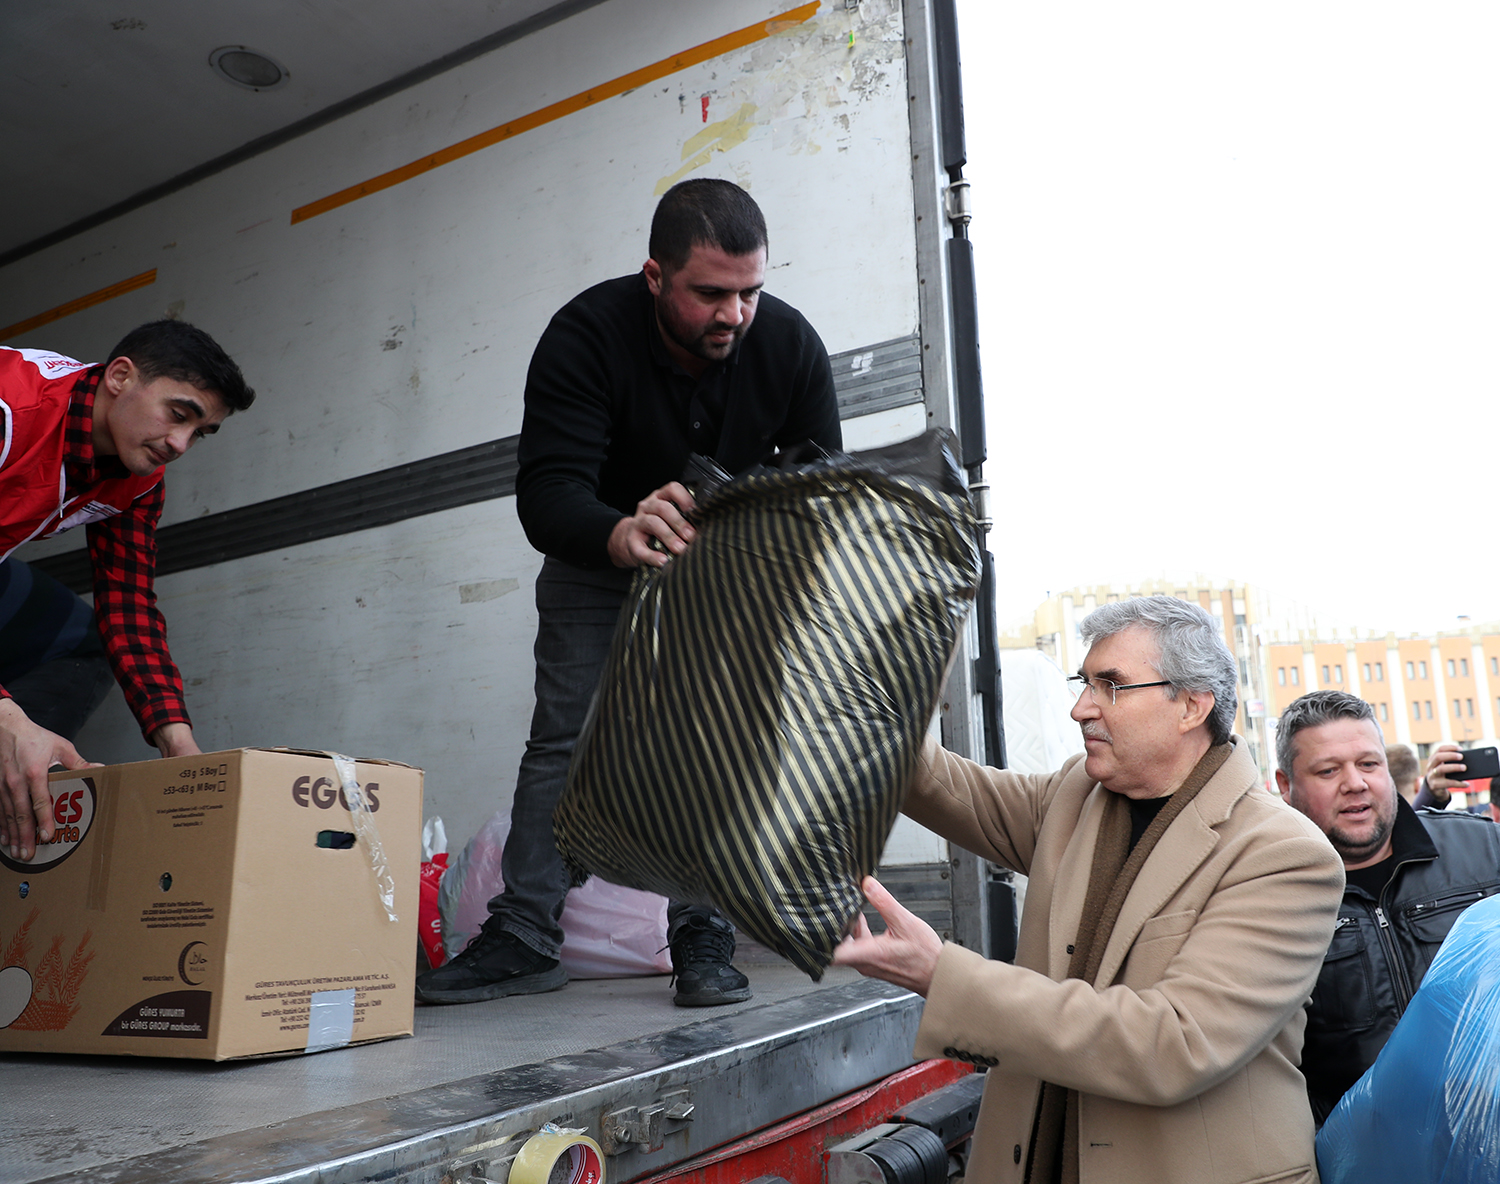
(768, 691)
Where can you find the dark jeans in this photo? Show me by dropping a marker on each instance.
(61, 695)
(576, 614)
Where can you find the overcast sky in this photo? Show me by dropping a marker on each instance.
(1239, 274)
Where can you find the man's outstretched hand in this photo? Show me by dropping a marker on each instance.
(905, 954)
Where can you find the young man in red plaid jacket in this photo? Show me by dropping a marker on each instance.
(85, 445)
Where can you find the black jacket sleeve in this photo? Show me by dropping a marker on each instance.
(565, 437)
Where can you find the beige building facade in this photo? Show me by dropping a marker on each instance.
(1426, 691)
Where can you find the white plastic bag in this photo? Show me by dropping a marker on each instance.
(609, 931)
(434, 838)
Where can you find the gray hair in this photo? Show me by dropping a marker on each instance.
(1313, 710)
(1194, 655)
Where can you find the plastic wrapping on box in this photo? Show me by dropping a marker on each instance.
(608, 931)
(362, 816)
(767, 692)
(1428, 1109)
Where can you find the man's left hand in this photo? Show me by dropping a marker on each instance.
(175, 740)
(905, 954)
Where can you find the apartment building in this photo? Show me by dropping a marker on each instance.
(1426, 691)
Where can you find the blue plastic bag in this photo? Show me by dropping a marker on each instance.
(1428, 1110)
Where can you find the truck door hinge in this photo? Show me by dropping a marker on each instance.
(957, 203)
(645, 1128)
(979, 491)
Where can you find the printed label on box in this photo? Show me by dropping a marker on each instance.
(73, 808)
(289, 1002)
(177, 1015)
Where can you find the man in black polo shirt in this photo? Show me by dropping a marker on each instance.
(1409, 873)
(630, 378)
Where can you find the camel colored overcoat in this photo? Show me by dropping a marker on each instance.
(1185, 1049)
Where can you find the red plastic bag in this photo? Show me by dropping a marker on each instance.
(429, 919)
(429, 915)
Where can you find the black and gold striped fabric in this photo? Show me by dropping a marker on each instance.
(767, 693)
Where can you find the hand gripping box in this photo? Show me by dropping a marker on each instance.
(215, 906)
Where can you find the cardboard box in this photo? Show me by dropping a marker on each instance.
(213, 907)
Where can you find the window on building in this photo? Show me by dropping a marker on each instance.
(1463, 667)
(1383, 715)
(1296, 677)
(1325, 675)
(1495, 665)
(1367, 672)
(1410, 671)
(1469, 707)
(1456, 712)
(1451, 670)
(1427, 703)
(1281, 676)
(1422, 669)
(1424, 751)
(1416, 711)
(1338, 675)
(1379, 671)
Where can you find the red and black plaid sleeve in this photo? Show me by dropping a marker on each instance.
(123, 551)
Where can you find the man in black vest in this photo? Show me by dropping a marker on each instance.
(632, 377)
(1409, 874)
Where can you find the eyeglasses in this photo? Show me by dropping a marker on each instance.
(1098, 688)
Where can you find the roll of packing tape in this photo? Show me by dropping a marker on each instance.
(558, 1157)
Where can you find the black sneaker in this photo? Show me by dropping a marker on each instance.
(494, 964)
(701, 948)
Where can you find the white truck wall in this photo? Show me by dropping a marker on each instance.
(400, 326)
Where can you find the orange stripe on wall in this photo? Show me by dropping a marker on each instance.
(66, 310)
(618, 86)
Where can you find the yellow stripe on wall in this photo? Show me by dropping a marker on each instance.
(618, 86)
(66, 310)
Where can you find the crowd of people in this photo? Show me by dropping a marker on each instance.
(1202, 969)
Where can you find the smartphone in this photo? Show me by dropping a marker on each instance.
(1479, 762)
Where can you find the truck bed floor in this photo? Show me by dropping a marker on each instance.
(472, 1076)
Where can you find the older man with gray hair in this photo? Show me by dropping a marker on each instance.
(1176, 918)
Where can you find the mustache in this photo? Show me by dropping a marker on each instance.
(1094, 732)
